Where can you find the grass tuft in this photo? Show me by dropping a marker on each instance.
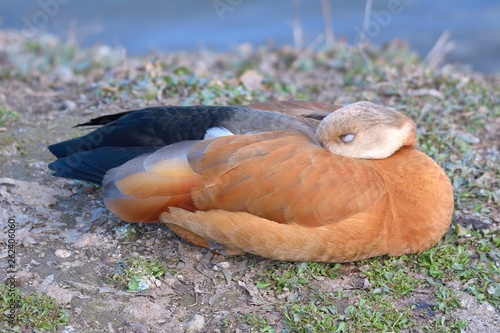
(137, 274)
(32, 312)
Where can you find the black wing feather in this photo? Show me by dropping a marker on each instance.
(126, 135)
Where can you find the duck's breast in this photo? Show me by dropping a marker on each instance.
(421, 200)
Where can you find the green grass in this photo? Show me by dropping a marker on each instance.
(177, 83)
(471, 259)
(286, 276)
(386, 304)
(35, 312)
(367, 313)
(257, 323)
(6, 115)
(137, 274)
(391, 276)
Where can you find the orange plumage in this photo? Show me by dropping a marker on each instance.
(343, 188)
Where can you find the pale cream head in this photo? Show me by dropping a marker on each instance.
(366, 130)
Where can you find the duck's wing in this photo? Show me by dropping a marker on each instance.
(161, 126)
(303, 109)
(131, 134)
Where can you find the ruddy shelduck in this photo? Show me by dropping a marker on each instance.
(283, 180)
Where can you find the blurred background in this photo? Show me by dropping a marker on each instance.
(463, 31)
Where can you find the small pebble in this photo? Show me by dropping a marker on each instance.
(224, 264)
(29, 241)
(195, 324)
(62, 253)
(68, 105)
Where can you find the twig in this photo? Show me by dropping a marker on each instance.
(366, 21)
(327, 21)
(442, 47)
(296, 25)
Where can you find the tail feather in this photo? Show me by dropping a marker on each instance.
(92, 165)
(62, 169)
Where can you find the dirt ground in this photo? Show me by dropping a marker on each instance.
(69, 244)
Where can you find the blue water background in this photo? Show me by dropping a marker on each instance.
(168, 25)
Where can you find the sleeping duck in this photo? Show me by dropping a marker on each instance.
(283, 180)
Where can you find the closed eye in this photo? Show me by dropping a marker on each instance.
(347, 138)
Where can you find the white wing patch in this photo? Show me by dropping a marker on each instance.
(216, 132)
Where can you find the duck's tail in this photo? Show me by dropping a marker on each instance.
(92, 165)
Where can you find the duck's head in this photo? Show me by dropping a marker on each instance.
(366, 130)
